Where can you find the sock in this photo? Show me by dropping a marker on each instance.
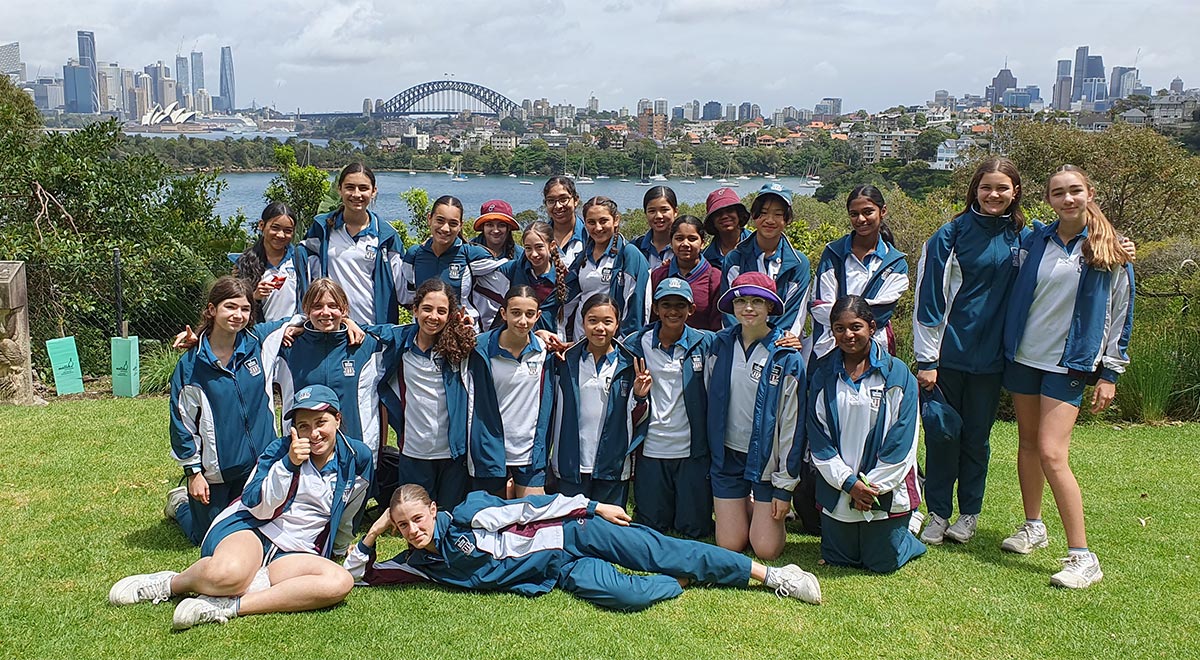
(1036, 522)
(772, 579)
(1077, 551)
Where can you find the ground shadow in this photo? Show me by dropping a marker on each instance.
(162, 535)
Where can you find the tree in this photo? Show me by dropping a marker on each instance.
(303, 188)
(17, 110)
(927, 143)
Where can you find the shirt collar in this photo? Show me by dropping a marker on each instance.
(701, 267)
(372, 228)
(1052, 234)
(609, 358)
(875, 362)
(287, 256)
(494, 349)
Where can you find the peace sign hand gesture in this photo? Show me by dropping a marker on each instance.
(641, 383)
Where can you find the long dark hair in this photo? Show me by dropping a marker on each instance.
(456, 341)
(1008, 169)
(226, 287)
(874, 196)
(253, 262)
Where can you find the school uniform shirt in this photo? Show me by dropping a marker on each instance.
(621, 272)
(705, 280)
(1064, 315)
(654, 256)
(300, 508)
(712, 253)
(519, 272)
(866, 426)
(284, 302)
(787, 267)
(486, 543)
(354, 373)
(881, 277)
(575, 246)
(598, 423)
(222, 415)
(777, 436)
(678, 397)
(514, 399)
(459, 266)
(964, 279)
(368, 265)
(487, 294)
(436, 395)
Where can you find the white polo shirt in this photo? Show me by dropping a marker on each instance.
(352, 265)
(669, 435)
(594, 383)
(297, 528)
(518, 383)
(1053, 306)
(744, 374)
(426, 415)
(281, 303)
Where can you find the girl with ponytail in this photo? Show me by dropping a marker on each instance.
(540, 267)
(273, 267)
(1068, 324)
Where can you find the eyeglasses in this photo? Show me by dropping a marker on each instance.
(559, 201)
(751, 301)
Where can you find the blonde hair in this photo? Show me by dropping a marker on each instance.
(1102, 247)
(409, 493)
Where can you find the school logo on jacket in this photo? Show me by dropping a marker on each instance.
(252, 367)
(348, 368)
(464, 545)
(776, 374)
(455, 271)
(624, 387)
(532, 366)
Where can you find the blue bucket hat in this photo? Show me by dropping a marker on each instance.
(942, 423)
(673, 286)
(313, 397)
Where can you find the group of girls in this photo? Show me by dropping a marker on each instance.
(582, 364)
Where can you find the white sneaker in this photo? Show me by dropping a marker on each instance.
(1028, 537)
(795, 582)
(152, 587)
(963, 529)
(176, 497)
(935, 531)
(203, 609)
(1079, 570)
(914, 522)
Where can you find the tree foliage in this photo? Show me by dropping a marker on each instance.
(302, 187)
(17, 111)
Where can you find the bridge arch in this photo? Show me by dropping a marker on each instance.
(438, 96)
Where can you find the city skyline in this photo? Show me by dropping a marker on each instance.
(317, 72)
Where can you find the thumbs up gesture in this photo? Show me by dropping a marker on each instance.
(300, 449)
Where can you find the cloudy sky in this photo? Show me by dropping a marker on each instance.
(327, 55)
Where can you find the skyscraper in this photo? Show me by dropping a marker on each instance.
(712, 110)
(744, 111)
(1064, 69)
(1115, 89)
(157, 72)
(87, 59)
(660, 106)
(1177, 85)
(1004, 81)
(228, 98)
(1081, 63)
(1095, 66)
(10, 62)
(183, 79)
(197, 71)
(79, 89)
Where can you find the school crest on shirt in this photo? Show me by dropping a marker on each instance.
(369, 252)
(606, 275)
(876, 397)
(347, 368)
(253, 367)
(455, 271)
(1015, 256)
(624, 387)
(532, 366)
(756, 372)
(464, 545)
(776, 374)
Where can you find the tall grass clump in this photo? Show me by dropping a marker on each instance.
(158, 364)
(1148, 385)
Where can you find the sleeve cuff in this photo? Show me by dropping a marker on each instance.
(591, 508)
(1109, 375)
(783, 494)
(927, 366)
(289, 465)
(848, 484)
(192, 470)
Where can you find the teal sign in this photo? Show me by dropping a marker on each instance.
(64, 361)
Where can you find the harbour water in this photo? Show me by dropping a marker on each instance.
(244, 191)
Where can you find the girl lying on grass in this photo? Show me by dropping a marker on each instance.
(530, 545)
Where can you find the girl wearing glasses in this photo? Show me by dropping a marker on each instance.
(561, 199)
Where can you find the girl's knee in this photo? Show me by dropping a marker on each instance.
(228, 578)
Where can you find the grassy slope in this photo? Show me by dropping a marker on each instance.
(81, 494)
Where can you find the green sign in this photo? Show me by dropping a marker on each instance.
(126, 366)
(64, 361)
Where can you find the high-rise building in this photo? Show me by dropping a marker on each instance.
(110, 84)
(48, 94)
(678, 112)
(744, 111)
(202, 102)
(1093, 90)
(1062, 94)
(940, 97)
(79, 89)
(829, 109)
(1177, 85)
(1004, 81)
(593, 104)
(1079, 72)
(228, 86)
(87, 58)
(10, 62)
(730, 112)
(157, 72)
(755, 112)
(660, 107)
(143, 99)
(643, 105)
(1115, 88)
(167, 91)
(712, 110)
(183, 79)
(1095, 66)
(1064, 69)
(197, 73)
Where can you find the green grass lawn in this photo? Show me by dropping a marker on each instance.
(82, 486)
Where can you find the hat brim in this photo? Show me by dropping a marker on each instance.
(725, 304)
(787, 200)
(490, 217)
(743, 216)
(674, 294)
(320, 407)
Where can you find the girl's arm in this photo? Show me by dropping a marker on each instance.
(488, 512)
(894, 285)
(938, 278)
(272, 482)
(826, 456)
(898, 450)
(789, 431)
(186, 407)
(1115, 355)
(367, 571)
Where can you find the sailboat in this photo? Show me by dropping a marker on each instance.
(582, 178)
(643, 181)
(706, 174)
(656, 176)
(523, 181)
(728, 168)
(686, 179)
(411, 172)
(457, 176)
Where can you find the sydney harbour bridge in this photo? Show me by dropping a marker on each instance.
(437, 97)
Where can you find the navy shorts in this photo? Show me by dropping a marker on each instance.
(1023, 379)
(232, 524)
(525, 476)
(730, 483)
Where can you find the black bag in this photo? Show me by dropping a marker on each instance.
(804, 500)
(387, 474)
